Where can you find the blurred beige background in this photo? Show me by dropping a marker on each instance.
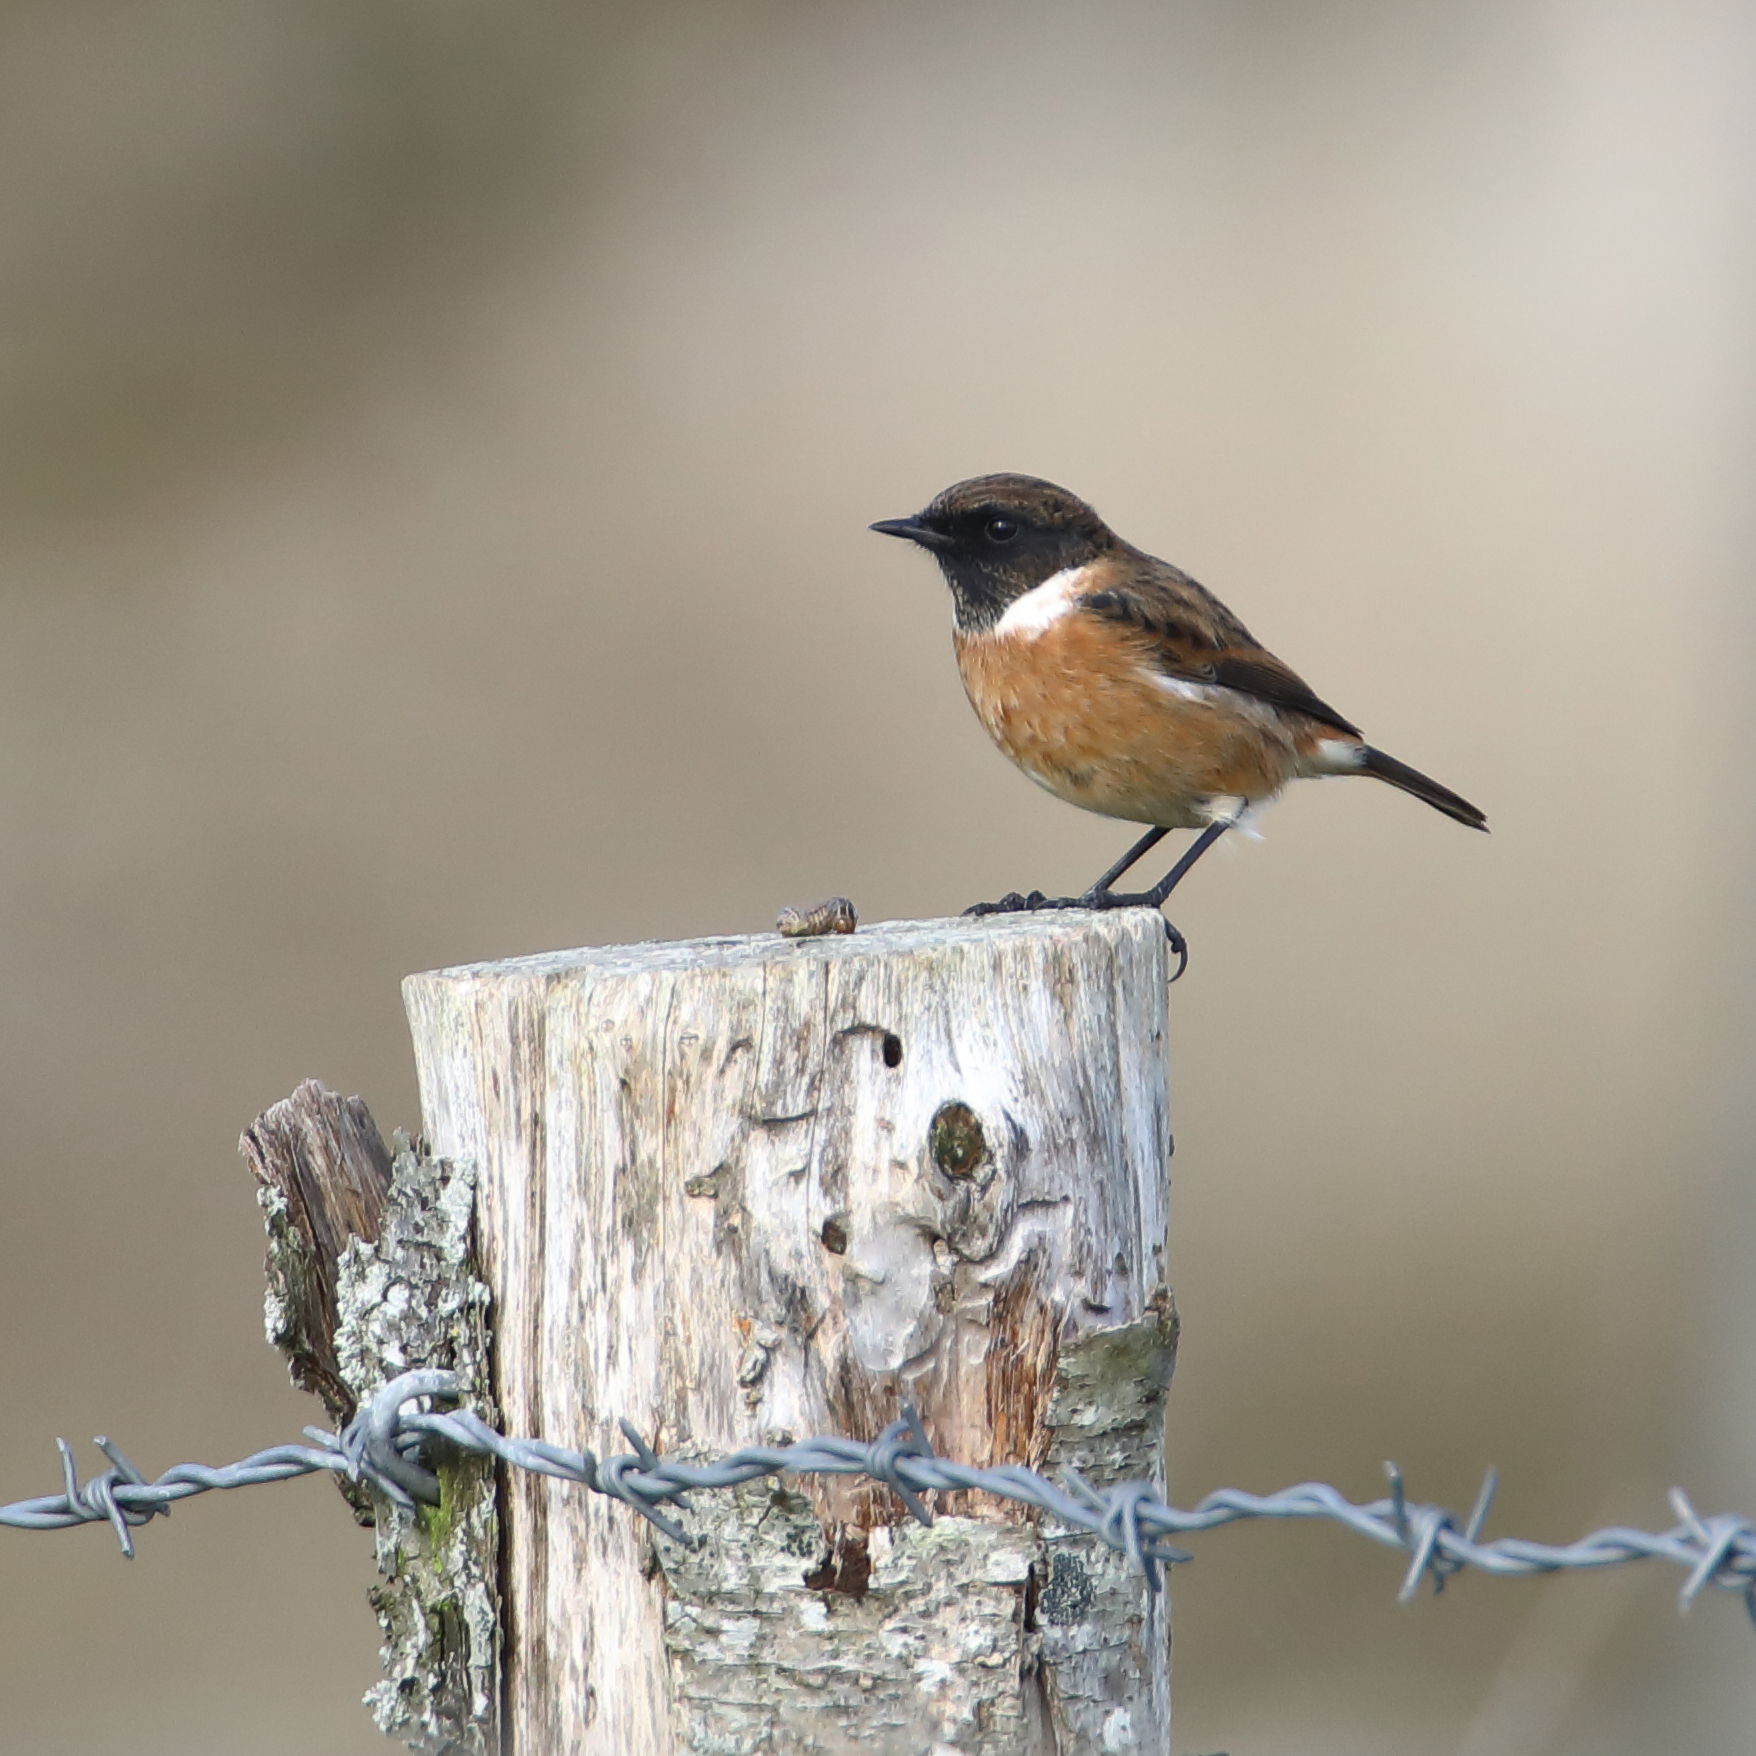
(437, 446)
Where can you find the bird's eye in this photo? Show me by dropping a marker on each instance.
(1000, 530)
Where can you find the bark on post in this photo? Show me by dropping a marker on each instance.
(740, 1189)
(370, 1272)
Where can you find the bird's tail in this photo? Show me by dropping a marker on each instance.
(1411, 780)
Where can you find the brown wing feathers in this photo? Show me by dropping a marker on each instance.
(1263, 675)
(1190, 634)
(1193, 635)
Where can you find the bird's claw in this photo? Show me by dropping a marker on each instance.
(1179, 950)
(1016, 902)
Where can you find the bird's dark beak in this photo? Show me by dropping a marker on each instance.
(914, 530)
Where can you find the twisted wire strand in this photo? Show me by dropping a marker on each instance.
(383, 1446)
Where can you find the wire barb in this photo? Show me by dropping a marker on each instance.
(385, 1442)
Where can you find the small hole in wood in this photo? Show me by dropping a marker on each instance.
(835, 1237)
(892, 1049)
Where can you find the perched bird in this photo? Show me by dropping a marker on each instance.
(1121, 685)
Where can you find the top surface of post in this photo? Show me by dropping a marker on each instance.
(1056, 926)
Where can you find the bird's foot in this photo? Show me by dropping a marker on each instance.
(1016, 902)
(1028, 902)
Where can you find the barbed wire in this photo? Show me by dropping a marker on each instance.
(383, 1444)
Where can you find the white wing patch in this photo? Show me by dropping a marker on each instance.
(1044, 605)
(1184, 690)
(1218, 695)
(1337, 756)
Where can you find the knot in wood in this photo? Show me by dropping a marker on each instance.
(956, 1140)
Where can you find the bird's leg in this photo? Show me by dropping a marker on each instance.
(1155, 897)
(1015, 902)
(1100, 896)
(1138, 852)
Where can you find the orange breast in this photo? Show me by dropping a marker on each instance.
(1079, 709)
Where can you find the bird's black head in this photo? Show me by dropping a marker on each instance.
(997, 537)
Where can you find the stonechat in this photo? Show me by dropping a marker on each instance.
(1121, 685)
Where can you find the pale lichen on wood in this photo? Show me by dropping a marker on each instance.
(413, 1300)
(371, 1272)
(925, 1652)
(1107, 1414)
(754, 1188)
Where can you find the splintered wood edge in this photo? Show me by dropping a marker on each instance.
(323, 1172)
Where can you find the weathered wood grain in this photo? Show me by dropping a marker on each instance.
(736, 1189)
(323, 1172)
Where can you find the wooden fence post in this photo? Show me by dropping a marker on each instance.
(744, 1190)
